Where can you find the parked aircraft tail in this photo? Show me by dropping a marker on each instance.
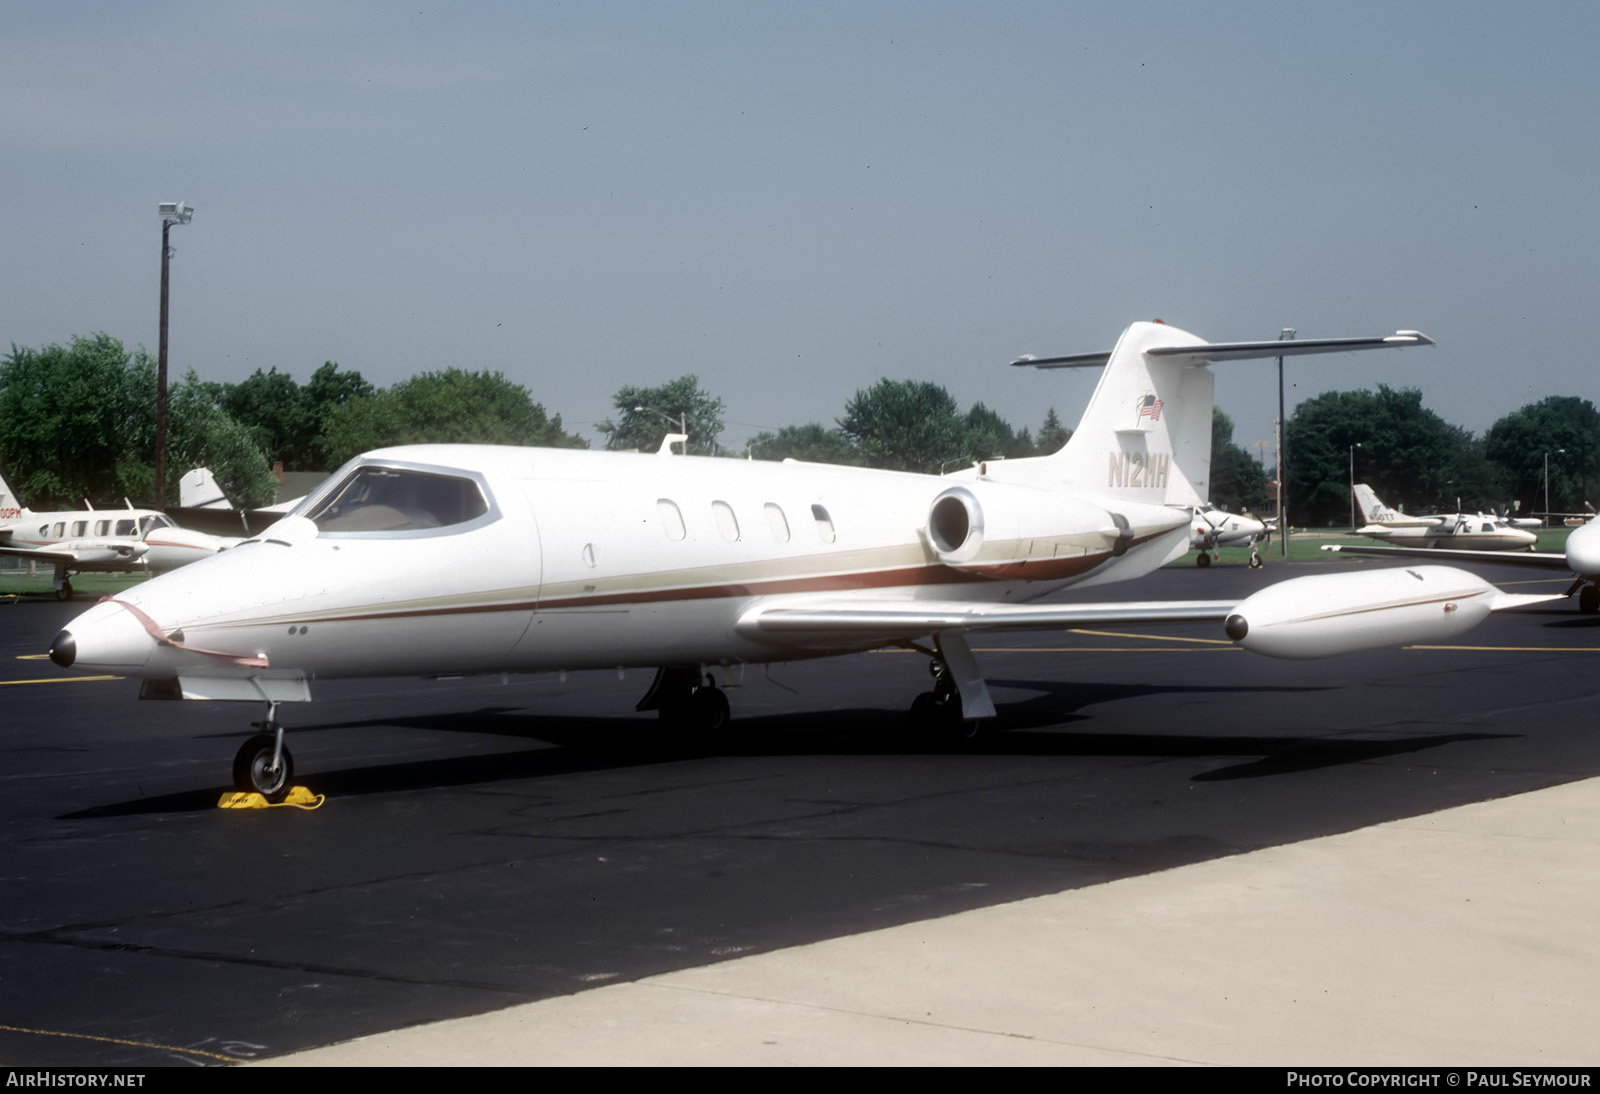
(11, 507)
(198, 489)
(1372, 510)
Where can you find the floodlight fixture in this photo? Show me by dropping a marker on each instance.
(176, 212)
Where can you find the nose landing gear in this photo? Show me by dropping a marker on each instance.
(263, 764)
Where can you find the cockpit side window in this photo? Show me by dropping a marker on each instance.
(390, 499)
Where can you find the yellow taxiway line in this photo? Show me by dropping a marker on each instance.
(60, 680)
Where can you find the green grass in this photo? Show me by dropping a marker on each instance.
(84, 586)
(1306, 546)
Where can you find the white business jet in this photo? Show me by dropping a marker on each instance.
(443, 559)
(101, 540)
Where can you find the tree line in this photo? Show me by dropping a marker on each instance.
(78, 421)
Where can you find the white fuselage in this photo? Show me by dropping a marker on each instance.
(1457, 530)
(1213, 528)
(585, 560)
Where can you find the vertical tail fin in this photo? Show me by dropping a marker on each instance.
(1371, 509)
(11, 507)
(1146, 433)
(198, 489)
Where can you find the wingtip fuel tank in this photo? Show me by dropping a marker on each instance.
(1339, 613)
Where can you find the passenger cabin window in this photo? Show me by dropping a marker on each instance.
(671, 518)
(79, 528)
(824, 523)
(102, 527)
(777, 522)
(727, 523)
(390, 499)
(127, 527)
(59, 530)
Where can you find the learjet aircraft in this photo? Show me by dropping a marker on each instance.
(446, 559)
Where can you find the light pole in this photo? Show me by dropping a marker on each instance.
(1284, 335)
(172, 212)
(1353, 486)
(683, 422)
(1559, 451)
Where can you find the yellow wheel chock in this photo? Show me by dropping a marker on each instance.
(299, 797)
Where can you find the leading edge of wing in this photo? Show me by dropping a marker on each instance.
(39, 555)
(1541, 560)
(911, 619)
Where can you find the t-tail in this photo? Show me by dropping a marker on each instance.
(1146, 434)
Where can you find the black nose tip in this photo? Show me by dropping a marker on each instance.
(1236, 627)
(63, 650)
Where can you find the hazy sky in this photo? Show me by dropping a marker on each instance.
(793, 200)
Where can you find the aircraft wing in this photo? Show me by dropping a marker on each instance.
(39, 554)
(889, 620)
(1543, 560)
(98, 555)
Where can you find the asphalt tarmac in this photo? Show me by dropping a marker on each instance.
(488, 843)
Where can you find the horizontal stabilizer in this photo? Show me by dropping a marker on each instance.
(1235, 351)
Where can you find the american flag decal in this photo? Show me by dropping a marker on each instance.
(1149, 407)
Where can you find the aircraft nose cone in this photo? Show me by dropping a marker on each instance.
(1236, 627)
(107, 636)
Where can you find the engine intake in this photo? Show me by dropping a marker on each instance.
(955, 525)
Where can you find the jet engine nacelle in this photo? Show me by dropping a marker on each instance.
(982, 526)
(1338, 613)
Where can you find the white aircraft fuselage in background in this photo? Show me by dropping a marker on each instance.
(469, 559)
(97, 540)
(1458, 531)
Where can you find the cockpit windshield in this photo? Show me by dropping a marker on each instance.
(390, 499)
(157, 520)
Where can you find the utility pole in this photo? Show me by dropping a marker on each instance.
(172, 212)
(1285, 335)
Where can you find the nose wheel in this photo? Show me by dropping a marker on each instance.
(263, 763)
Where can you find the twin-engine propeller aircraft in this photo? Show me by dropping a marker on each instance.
(106, 540)
(442, 559)
(1460, 531)
(1212, 528)
(1581, 557)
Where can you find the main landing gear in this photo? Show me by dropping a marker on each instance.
(687, 700)
(263, 763)
(958, 708)
(1589, 599)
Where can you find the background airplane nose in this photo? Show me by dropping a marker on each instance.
(64, 650)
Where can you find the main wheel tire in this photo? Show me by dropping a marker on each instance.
(1589, 599)
(65, 592)
(252, 768)
(1203, 561)
(708, 707)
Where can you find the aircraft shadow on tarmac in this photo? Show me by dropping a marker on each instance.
(573, 745)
